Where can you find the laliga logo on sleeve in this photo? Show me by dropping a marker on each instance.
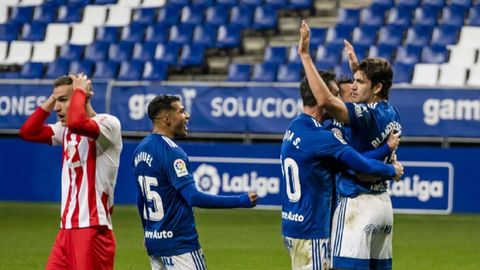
(207, 179)
(180, 167)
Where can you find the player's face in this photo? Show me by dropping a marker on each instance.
(362, 89)
(179, 119)
(346, 92)
(62, 96)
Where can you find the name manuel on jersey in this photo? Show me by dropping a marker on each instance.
(145, 157)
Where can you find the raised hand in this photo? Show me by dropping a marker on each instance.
(394, 140)
(398, 170)
(352, 58)
(304, 43)
(253, 198)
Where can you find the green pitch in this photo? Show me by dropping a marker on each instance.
(238, 239)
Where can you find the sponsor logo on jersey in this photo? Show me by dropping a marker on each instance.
(373, 229)
(180, 167)
(414, 186)
(338, 134)
(292, 216)
(158, 235)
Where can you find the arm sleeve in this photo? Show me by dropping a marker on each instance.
(77, 118)
(204, 200)
(363, 165)
(34, 128)
(378, 153)
(359, 115)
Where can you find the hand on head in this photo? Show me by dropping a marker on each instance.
(82, 82)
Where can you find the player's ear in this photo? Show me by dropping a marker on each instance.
(377, 88)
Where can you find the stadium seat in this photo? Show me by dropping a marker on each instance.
(133, 33)
(216, 15)
(228, 3)
(453, 15)
(82, 66)
(435, 3)
(131, 3)
(402, 72)
(264, 72)
(374, 16)
(425, 74)
(265, 17)
(205, 35)
(452, 75)
(9, 31)
(104, 2)
(276, 4)
(33, 31)
(229, 36)
(153, 3)
(239, 72)
(474, 16)
(419, 35)
(79, 2)
(462, 3)
(275, 55)
(181, 34)
(82, 34)
(19, 14)
(462, 56)
(44, 52)
(31, 70)
(426, 15)
(469, 37)
(445, 35)
(44, 13)
(361, 51)
(130, 71)
(338, 34)
(97, 51)
(391, 35)
(3, 14)
(169, 15)
(145, 16)
(19, 52)
(348, 16)
(155, 71)
(105, 70)
(408, 3)
(385, 4)
(95, 15)
(108, 34)
(343, 70)
(293, 56)
(434, 54)
(192, 15)
(71, 52)
(179, 2)
(203, 3)
(317, 36)
(327, 56)
(144, 51)
(364, 35)
(291, 72)
(400, 15)
(69, 14)
(157, 33)
(57, 33)
(167, 53)
(300, 4)
(474, 77)
(120, 52)
(57, 68)
(241, 16)
(382, 51)
(192, 55)
(253, 3)
(408, 54)
(118, 16)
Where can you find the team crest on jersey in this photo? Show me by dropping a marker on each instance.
(180, 167)
(338, 134)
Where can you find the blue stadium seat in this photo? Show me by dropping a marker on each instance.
(216, 15)
(155, 71)
(169, 15)
(130, 71)
(192, 55)
(463, 3)
(239, 72)
(276, 4)
(21, 14)
(167, 53)
(181, 34)
(374, 16)
(82, 66)
(108, 34)
(9, 31)
(229, 36)
(133, 33)
(291, 72)
(31, 70)
(179, 2)
(205, 35)
(57, 68)
(339, 33)
(293, 56)
(365, 35)
(361, 51)
(228, 3)
(265, 17)
(391, 35)
(33, 31)
(300, 4)
(445, 35)
(412, 4)
(71, 52)
(327, 56)
(241, 16)
(402, 73)
(69, 14)
(97, 51)
(348, 16)
(44, 13)
(192, 15)
(382, 51)
(79, 2)
(144, 51)
(453, 15)
(317, 36)
(157, 33)
(104, 2)
(253, 3)
(400, 15)
(105, 70)
(264, 72)
(275, 55)
(120, 52)
(426, 15)
(385, 4)
(435, 3)
(343, 70)
(408, 54)
(419, 35)
(145, 16)
(203, 3)
(435, 54)
(474, 16)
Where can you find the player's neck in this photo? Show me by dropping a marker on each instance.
(315, 112)
(162, 132)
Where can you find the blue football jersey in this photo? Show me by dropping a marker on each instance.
(161, 169)
(370, 126)
(307, 155)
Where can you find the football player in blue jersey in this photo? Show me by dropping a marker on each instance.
(309, 155)
(167, 191)
(363, 222)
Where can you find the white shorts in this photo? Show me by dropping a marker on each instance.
(308, 254)
(194, 260)
(362, 232)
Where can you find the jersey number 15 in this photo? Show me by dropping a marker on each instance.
(155, 213)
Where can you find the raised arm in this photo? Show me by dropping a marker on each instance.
(197, 198)
(327, 100)
(34, 129)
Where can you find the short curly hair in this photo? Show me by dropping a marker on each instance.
(160, 103)
(378, 70)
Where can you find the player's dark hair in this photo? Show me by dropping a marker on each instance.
(161, 103)
(378, 70)
(343, 80)
(62, 80)
(306, 92)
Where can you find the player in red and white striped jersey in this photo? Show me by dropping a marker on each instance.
(91, 150)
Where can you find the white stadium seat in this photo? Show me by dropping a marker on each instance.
(425, 74)
(462, 55)
(153, 3)
(474, 78)
(19, 52)
(3, 51)
(82, 34)
(95, 15)
(44, 52)
(129, 3)
(469, 37)
(57, 33)
(452, 75)
(31, 2)
(3, 13)
(119, 16)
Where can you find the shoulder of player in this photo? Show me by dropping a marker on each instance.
(107, 120)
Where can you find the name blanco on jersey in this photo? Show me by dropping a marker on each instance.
(158, 235)
(394, 125)
(145, 157)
